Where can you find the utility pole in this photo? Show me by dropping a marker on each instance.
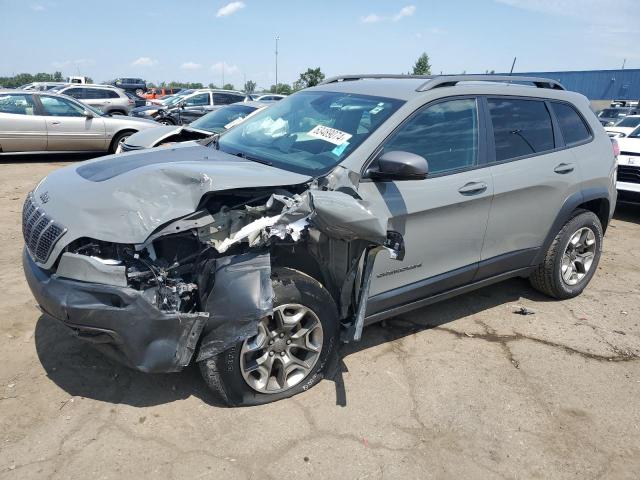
(513, 65)
(222, 86)
(277, 38)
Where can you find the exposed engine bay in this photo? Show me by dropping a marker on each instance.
(218, 259)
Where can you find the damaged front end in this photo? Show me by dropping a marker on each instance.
(205, 279)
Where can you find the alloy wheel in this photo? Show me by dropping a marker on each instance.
(578, 256)
(284, 351)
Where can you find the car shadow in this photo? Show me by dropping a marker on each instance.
(81, 370)
(627, 212)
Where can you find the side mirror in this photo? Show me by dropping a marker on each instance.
(87, 113)
(399, 165)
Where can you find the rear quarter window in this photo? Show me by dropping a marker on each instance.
(573, 128)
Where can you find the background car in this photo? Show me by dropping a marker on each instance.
(610, 116)
(135, 85)
(628, 181)
(137, 101)
(624, 127)
(214, 122)
(49, 122)
(41, 85)
(110, 100)
(190, 107)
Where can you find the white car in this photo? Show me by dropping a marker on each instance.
(624, 127)
(628, 183)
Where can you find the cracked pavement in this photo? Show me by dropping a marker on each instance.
(467, 388)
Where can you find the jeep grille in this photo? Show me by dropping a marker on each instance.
(39, 231)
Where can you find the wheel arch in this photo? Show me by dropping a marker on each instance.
(595, 200)
(117, 134)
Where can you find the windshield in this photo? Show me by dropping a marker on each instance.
(309, 132)
(220, 120)
(629, 122)
(635, 133)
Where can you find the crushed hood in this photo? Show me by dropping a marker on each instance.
(148, 138)
(124, 198)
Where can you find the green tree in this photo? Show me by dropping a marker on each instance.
(422, 66)
(282, 88)
(310, 78)
(250, 86)
(228, 86)
(212, 85)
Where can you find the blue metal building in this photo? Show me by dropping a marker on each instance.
(597, 84)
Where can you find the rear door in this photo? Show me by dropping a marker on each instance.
(21, 129)
(443, 217)
(533, 174)
(68, 129)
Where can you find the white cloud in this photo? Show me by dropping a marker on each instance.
(38, 8)
(144, 62)
(230, 9)
(228, 69)
(81, 62)
(404, 12)
(190, 66)
(371, 18)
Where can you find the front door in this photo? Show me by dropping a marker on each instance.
(442, 218)
(195, 106)
(68, 129)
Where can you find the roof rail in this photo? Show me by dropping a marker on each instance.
(435, 81)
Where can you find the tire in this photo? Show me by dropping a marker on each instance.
(166, 121)
(552, 277)
(117, 139)
(224, 373)
(117, 112)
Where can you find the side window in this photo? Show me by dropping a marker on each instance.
(225, 99)
(197, 100)
(571, 124)
(16, 104)
(76, 92)
(60, 107)
(520, 127)
(446, 134)
(93, 94)
(111, 94)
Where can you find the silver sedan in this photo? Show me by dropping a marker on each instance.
(44, 122)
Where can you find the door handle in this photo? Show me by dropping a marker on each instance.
(564, 168)
(473, 188)
(55, 123)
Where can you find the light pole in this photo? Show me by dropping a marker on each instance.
(277, 38)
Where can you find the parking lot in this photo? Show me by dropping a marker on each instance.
(464, 389)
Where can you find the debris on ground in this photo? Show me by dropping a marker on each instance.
(524, 311)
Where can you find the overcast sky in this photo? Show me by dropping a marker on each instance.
(195, 40)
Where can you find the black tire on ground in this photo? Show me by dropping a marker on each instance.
(117, 139)
(222, 373)
(118, 112)
(166, 121)
(547, 278)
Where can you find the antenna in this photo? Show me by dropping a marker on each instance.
(513, 65)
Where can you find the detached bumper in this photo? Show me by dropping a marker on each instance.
(120, 321)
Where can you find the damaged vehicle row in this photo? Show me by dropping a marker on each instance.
(256, 251)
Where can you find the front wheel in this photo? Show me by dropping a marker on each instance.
(291, 352)
(165, 121)
(572, 258)
(118, 142)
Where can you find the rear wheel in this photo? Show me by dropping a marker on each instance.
(165, 121)
(291, 352)
(572, 258)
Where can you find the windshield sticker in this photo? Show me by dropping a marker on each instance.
(328, 134)
(339, 150)
(377, 109)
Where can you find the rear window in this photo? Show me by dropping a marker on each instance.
(571, 124)
(629, 122)
(520, 127)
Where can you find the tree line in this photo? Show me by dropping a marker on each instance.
(310, 78)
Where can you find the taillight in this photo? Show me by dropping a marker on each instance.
(131, 102)
(616, 147)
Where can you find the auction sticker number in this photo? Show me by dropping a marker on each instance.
(328, 134)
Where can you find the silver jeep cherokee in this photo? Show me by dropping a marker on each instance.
(255, 252)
